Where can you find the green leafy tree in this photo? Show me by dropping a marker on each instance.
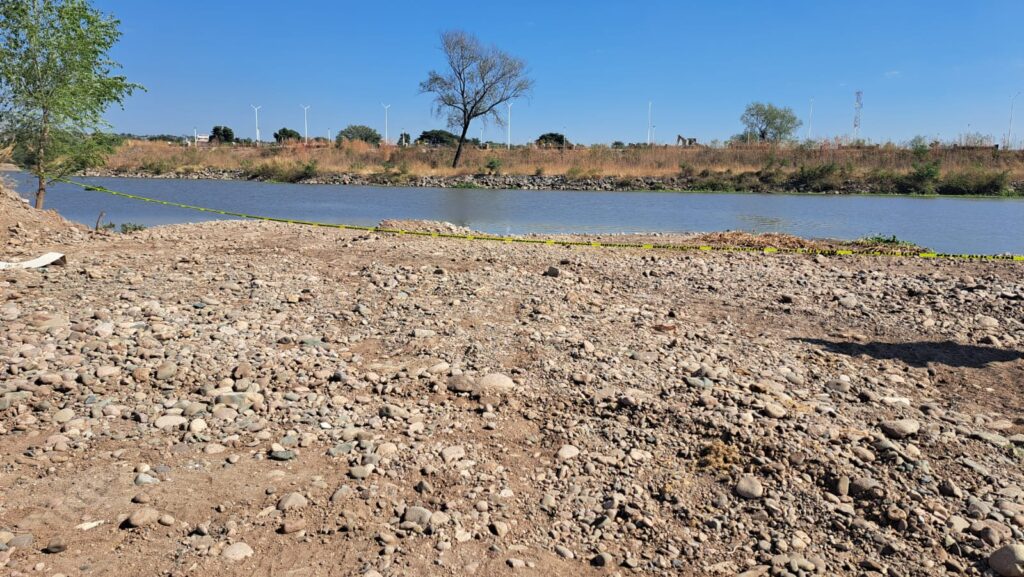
(57, 80)
(437, 138)
(404, 139)
(222, 134)
(480, 79)
(769, 123)
(552, 140)
(359, 132)
(286, 134)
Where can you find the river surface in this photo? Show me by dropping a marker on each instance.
(960, 225)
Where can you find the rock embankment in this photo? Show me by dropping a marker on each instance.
(521, 182)
(238, 398)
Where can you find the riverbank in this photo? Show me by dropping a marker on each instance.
(243, 398)
(798, 169)
(718, 183)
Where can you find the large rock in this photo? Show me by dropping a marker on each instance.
(901, 428)
(1008, 560)
(749, 487)
(494, 384)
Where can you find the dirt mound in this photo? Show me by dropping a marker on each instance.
(25, 230)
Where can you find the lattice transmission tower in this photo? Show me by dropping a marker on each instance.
(858, 104)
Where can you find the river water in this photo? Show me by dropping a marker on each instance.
(960, 225)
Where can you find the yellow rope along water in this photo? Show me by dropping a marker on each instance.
(552, 242)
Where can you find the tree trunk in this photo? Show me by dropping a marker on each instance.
(41, 193)
(462, 140)
(41, 162)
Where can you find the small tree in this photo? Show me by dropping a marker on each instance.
(437, 138)
(285, 135)
(551, 140)
(222, 134)
(359, 132)
(57, 81)
(769, 123)
(479, 81)
(404, 139)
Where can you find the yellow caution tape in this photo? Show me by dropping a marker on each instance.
(553, 242)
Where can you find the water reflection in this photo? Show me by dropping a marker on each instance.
(944, 224)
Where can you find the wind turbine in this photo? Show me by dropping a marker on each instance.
(810, 120)
(386, 107)
(649, 105)
(256, 109)
(305, 121)
(1009, 129)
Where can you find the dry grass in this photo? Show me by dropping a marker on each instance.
(359, 158)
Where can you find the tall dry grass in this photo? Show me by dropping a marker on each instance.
(360, 158)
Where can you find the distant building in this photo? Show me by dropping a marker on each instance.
(200, 140)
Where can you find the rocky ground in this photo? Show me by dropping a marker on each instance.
(238, 398)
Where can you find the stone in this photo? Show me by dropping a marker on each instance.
(495, 384)
(237, 551)
(64, 415)
(56, 545)
(901, 428)
(291, 501)
(567, 452)
(143, 517)
(170, 422)
(453, 453)
(1008, 560)
(166, 371)
(749, 487)
(774, 410)
(417, 515)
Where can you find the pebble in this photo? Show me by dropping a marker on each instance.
(237, 551)
(143, 517)
(749, 487)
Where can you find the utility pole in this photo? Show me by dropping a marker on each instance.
(649, 105)
(328, 136)
(256, 109)
(508, 146)
(305, 122)
(386, 107)
(195, 136)
(810, 120)
(1009, 129)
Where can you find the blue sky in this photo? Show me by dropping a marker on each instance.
(933, 67)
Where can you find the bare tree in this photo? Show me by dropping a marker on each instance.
(481, 79)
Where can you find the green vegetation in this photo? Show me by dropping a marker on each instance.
(480, 80)
(552, 140)
(359, 132)
(975, 181)
(820, 178)
(768, 123)
(222, 134)
(437, 138)
(282, 171)
(130, 227)
(56, 81)
(880, 239)
(404, 139)
(287, 135)
(493, 165)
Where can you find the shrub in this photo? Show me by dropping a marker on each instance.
(686, 170)
(493, 165)
(975, 181)
(924, 175)
(821, 178)
(130, 227)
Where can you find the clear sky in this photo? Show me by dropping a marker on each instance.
(932, 67)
